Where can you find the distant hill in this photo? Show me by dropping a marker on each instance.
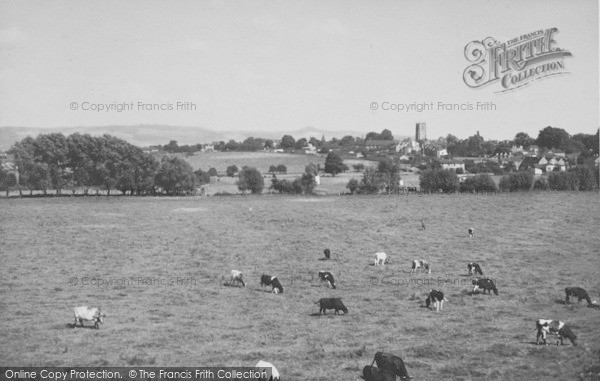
(146, 135)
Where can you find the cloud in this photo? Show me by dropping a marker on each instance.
(13, 38)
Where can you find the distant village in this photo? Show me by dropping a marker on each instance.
(473, 155)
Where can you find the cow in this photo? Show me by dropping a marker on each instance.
(326, 276)
(471, 232)
(371, 373)
(381, 259)
(438, 299)
(485, 284)
(391, 363)
(264, 366)
(237, 277)
(423, 265)
(474, 268)
(555, 327)
(327, 253)
(580, 293)
(89, 314)
(277, 287)
(331, 304)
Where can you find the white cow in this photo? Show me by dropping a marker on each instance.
(89, 314)
(237, 277)
(263, 365)
(381, 259)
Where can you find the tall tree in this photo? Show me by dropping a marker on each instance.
(334, 164)
(174, 173)
(551, 137)
(250, 179)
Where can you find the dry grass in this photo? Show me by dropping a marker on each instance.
(532, 244)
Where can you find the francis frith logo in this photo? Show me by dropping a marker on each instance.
(514, 63)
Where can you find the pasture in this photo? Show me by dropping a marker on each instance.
(157, 267)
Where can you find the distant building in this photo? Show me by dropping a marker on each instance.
(420, 132)
(452, 164)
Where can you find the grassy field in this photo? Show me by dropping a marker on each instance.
(157, 268)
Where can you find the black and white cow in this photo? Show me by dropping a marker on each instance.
(381, 259)
(391, 363)
(555, 327)
(471, 232)
(420, 264)
(326, 276)
(88, 314)
(474, 268)
(277, 287)
(237, 277)
(485, 284)
(438, 299)
(371, 373)
(269, 368)
(268, 280)
(578, 292)
(331, 304)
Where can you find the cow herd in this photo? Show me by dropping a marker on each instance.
(388, 366)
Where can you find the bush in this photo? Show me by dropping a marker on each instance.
(359, 167)
(231, 170)
(352, 185)
(250, 179)
(517, 181)
(305, 184)
(479, 183)
(563, 181)
(587, 178)
(433, 180)
(541, 184)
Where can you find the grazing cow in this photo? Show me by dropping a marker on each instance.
(381, 259)
(580, 293)
(88, 314)
(326, 276)
(265, 280)
(471, 232)
(423, 265)
(438, 299)
(485, 284)
(327, 253)
(330, 304)
(392, 364)
(422, 225)
(555, 327)
(371, 373)
(277, 287)
(474, 268)
(237, 277)
(264, 365)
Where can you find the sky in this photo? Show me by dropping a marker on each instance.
(286, 65)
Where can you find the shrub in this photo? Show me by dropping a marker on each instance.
(541, 184)
(516, 181)
(563, 181)
(353, 185)
(433, 180)
(479, 183)
(231, 170)
(359, 167)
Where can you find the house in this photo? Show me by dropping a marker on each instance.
(452, 164)
(530, 163)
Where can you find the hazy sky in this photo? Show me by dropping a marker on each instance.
(286, 65)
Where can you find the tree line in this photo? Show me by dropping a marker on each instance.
(53, 161)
